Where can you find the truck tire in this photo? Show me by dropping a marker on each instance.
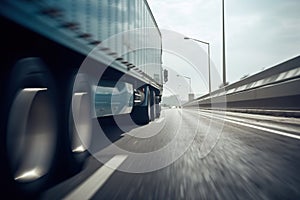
(77, 122)
(153, 107)
(29, 132)
(141, 115)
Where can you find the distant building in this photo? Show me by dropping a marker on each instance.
(191, 96)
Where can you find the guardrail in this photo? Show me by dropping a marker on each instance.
(274, 91)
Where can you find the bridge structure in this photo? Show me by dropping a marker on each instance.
(273, 91)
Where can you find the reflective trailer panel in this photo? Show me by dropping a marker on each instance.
(92, 22)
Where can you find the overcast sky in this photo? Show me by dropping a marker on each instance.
(259, 33)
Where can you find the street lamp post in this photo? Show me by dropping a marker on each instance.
(190, 81)
(224, 58)
(208, 52)
(190, 95)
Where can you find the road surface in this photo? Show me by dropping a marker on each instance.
(237, 156)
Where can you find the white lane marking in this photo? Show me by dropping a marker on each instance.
(256, 127)
(88, 188)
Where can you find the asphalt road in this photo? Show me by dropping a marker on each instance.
(188, 154)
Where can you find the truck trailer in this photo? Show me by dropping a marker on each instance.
(48, 103)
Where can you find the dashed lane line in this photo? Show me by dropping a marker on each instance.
(88, 188)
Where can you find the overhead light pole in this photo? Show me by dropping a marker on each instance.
(208, 59)
(190, 81)
(224, 58)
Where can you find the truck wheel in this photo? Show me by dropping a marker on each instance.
(141, 115)
(153, 106)
(30, 128)
(79, 121)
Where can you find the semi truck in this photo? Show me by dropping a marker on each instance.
(48, 104)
